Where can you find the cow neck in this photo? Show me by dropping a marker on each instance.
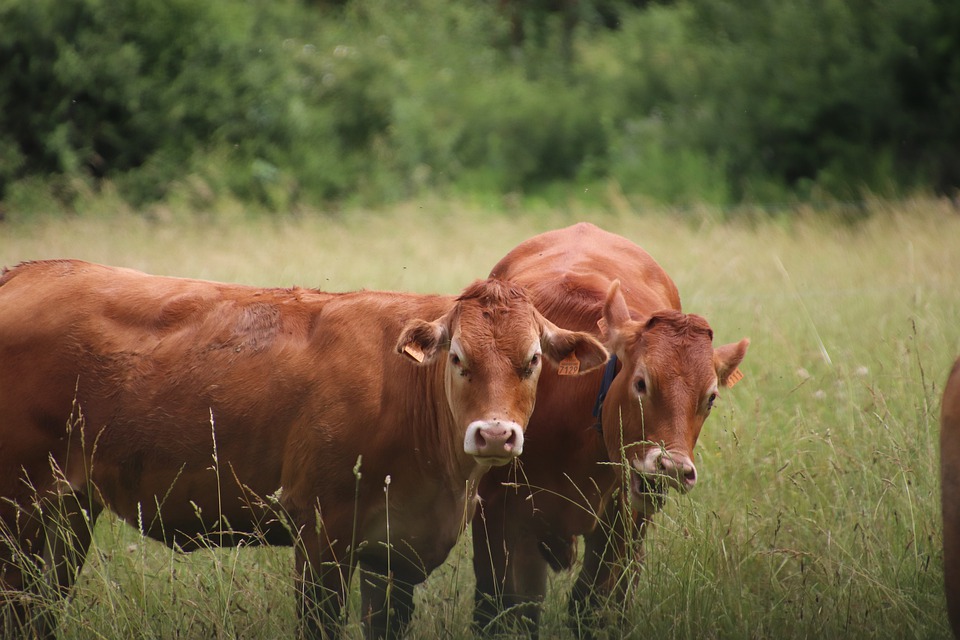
(609, 373)
(441, 449)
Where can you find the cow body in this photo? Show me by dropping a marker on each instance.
(574, 464)
(208, 413)
(950, 493)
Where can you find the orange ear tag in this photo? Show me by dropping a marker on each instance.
(569, 366)
(602, 325)
(734, 377)
(413, 351)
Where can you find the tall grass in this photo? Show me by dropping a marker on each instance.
(817, 512)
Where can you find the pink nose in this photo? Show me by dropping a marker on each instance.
(495, 439)
(679, 468)
(676, 468)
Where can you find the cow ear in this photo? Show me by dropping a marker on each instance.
(616, 316)
(421, 341)
(727, 358)
(578, 350)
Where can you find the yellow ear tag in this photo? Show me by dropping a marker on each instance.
(569, 366)
(734, 377)
(602, 325)
(413, 351)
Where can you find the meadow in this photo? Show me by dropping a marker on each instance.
(817, 513)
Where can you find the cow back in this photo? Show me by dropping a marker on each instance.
(148, 387)
(568, 273)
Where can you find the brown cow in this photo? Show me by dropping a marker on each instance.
(950, 493)
(667, 377)
(184, 406)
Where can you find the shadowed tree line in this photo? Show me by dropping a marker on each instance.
(294, 103)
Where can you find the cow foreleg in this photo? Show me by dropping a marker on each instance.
(68, 520)
(612, 556)
(386, 602)
(321, 592)
(511, 573)
(526, 586)
(517, 606)
(21, 543)
(68, 524)
(489, 565)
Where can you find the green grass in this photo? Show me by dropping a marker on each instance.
(817, 514)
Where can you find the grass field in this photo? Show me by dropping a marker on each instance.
(817, 513)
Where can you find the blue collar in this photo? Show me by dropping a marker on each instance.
(608, 375)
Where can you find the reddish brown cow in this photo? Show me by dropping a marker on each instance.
(950, 493)
(667, 377)
(185, 406)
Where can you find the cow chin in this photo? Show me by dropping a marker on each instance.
(647, 493)
(657, 473)
(491, 461)
(493, 442)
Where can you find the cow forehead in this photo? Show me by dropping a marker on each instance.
(508, 332)
(496, 317)
(676, 344)
(493, 293)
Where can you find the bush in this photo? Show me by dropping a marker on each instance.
(285, 103)
(821, 92)
(140, 92)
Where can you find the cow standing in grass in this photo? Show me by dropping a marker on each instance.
(660, 388)
(210, 413)
(950, 493)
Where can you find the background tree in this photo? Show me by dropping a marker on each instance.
(294, 102)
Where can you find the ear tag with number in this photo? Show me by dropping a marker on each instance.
(569, 366)
(412, 350)
(602, 325)
(734, 377)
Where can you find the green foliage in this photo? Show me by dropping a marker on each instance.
(284, 104)
(840, 94)
(651, 116)
(144, 92)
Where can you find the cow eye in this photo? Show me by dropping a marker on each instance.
(711, 399)
(641, 386)
(531, 366)
(459, 365)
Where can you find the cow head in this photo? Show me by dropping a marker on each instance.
(670, 377)
(491, 344)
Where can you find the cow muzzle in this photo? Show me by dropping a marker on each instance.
(493, 442)
(662, 469)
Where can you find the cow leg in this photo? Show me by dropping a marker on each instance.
(386, 602)
(598, 576)
(68, 521)
(21, 543)
(511, 574)
(526, 584)
(605, 557)
(321, 592)
(489, 565)
(35, 572)
(68, 524)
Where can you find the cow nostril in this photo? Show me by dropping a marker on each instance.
(680, 469)
(480, 440)
(665, 463)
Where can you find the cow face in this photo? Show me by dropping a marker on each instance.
(670, 378)
(491, 345)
